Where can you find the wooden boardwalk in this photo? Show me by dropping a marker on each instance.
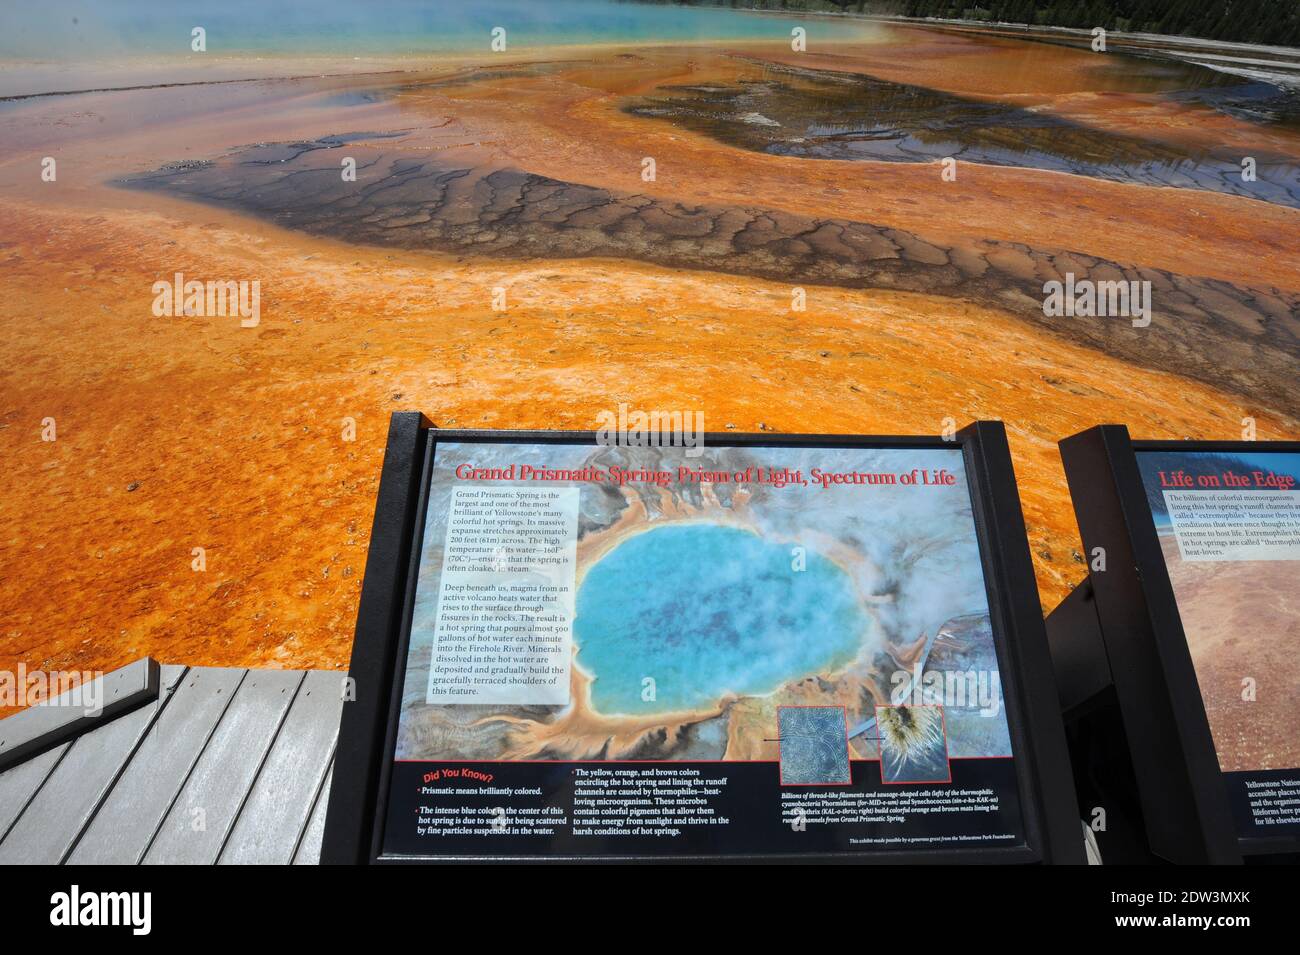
(195, 765)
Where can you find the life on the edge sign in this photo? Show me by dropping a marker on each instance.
(1228, 522)
(762, 647)
(1175, 657)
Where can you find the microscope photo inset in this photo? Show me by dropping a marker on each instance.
(814, 745)
(913, 744)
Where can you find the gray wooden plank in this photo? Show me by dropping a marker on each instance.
(280, 803)
(131, 814)
(170, 676)
(77, 710)
(308, 851)
(19, 784)
(55, 817)
(197, 824)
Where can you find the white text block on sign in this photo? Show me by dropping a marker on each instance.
(1235, 525)
(504, 628)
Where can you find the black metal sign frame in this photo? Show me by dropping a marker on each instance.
(1119, 638)
(358, 793)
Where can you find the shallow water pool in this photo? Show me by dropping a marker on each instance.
(706, 609)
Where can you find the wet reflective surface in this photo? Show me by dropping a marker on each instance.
(406, 200)
(819, 114)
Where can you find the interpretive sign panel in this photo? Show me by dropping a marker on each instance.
(763, 646)
(1228, 522)
(1187, 628)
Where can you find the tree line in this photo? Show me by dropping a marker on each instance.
(1269, 22)
(1272, 22)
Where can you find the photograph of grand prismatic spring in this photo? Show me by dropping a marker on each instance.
(237, 237)
(693, 584)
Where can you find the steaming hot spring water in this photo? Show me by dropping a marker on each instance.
(704, 610)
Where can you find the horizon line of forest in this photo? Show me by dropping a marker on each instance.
(1265, 22)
